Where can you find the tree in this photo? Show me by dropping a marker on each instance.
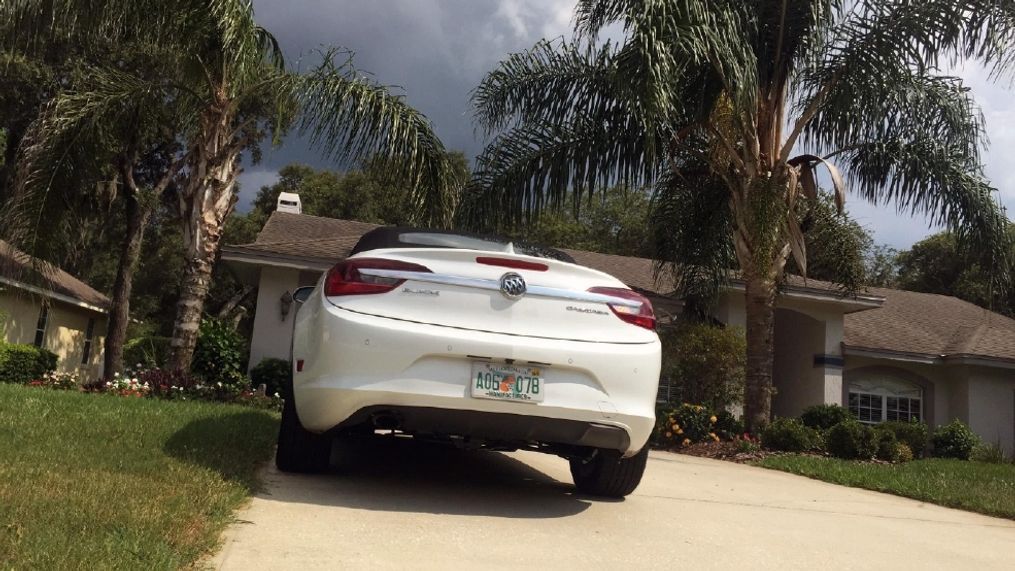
(710, 101)
(227, 81)
(940, 264)
(367, 194)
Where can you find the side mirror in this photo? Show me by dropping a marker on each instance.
(302, 294)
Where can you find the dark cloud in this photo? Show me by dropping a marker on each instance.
(438, 50)
(433, 51)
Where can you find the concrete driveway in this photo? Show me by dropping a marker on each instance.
(403, 505)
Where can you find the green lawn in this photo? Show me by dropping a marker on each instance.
(104, 482)
(973, 486)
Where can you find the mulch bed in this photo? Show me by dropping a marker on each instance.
(720, 451)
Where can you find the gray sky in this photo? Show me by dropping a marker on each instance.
(438, 50)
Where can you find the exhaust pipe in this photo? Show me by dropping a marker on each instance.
(386, 420)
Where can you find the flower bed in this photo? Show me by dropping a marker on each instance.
(164, 385)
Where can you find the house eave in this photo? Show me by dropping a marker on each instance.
(54, 295)
(852, 303)
(245, 256)
(928, 358)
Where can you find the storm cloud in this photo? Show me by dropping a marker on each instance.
(436, 51)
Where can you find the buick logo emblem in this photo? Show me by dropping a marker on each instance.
(512, 285)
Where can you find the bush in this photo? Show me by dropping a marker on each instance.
(824, 416)
(903, 453)
(954, 440)
(22, 364)
(220, 355)
(150, 352)
(888, 446)
(274, 374)
(790, 435)
(988, 453)
(685, 424)
(728, 426)
(913, 434)
(851, 440)
(704, 364)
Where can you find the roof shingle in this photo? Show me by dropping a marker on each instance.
(19, 266)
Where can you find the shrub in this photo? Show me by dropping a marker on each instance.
(148, 352)
(22, 364)
(274, 374)
(989, 453)
(913, 434)
(888, 448)
(727, 426)
(824, 416)
(685, 424)
(903, 453)
(790, 435)
(746, 445)
(851, 440)
(220, 355)
(704, 364)
(954, 440)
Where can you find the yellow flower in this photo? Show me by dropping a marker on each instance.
(714, 437)
(669, 435)
(712, 419)
(686, 441)
(680, 431)
(699, 408)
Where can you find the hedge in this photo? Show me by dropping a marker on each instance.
(23, 364)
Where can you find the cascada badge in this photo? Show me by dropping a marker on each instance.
(512, 285)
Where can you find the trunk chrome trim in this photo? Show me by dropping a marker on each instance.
(494, 285)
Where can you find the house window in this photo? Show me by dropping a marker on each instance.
(89, 337)
(877, 399)
(40, 326)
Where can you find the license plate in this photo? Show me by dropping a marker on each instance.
(507, 382)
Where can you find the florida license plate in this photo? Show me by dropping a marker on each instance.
(507, 382)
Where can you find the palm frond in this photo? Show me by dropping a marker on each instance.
(551, 82)
(351, 117)
(532, 166)
(692, 231)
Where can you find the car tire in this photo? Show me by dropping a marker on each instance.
(300, 450)
(607, 474)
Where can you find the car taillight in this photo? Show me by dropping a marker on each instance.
(642, 316)
(346, 278)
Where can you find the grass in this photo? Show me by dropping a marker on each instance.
(973, 486)
(105, 482)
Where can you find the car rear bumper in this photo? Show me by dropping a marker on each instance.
(355, 362)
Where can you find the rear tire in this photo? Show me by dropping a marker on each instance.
(300, 450)
(607, 474)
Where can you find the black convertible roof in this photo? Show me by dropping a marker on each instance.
(408, 237)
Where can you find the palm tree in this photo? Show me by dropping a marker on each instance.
(229, 88)
(730, 107)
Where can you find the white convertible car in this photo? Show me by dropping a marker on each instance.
(478, 343)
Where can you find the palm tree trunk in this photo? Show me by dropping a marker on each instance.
(760, 309)
(138, 215)
(206, 200)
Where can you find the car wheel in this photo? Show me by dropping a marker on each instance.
(606, 473)
(300, 450)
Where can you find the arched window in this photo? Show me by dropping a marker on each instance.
(881, 397)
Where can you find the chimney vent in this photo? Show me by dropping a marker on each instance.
(289, 202)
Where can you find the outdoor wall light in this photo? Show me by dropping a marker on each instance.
(286, 303)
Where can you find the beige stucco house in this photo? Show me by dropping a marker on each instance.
(45, 306)
(885, 354)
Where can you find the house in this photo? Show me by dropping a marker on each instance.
(885, 354)
(42, 305)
